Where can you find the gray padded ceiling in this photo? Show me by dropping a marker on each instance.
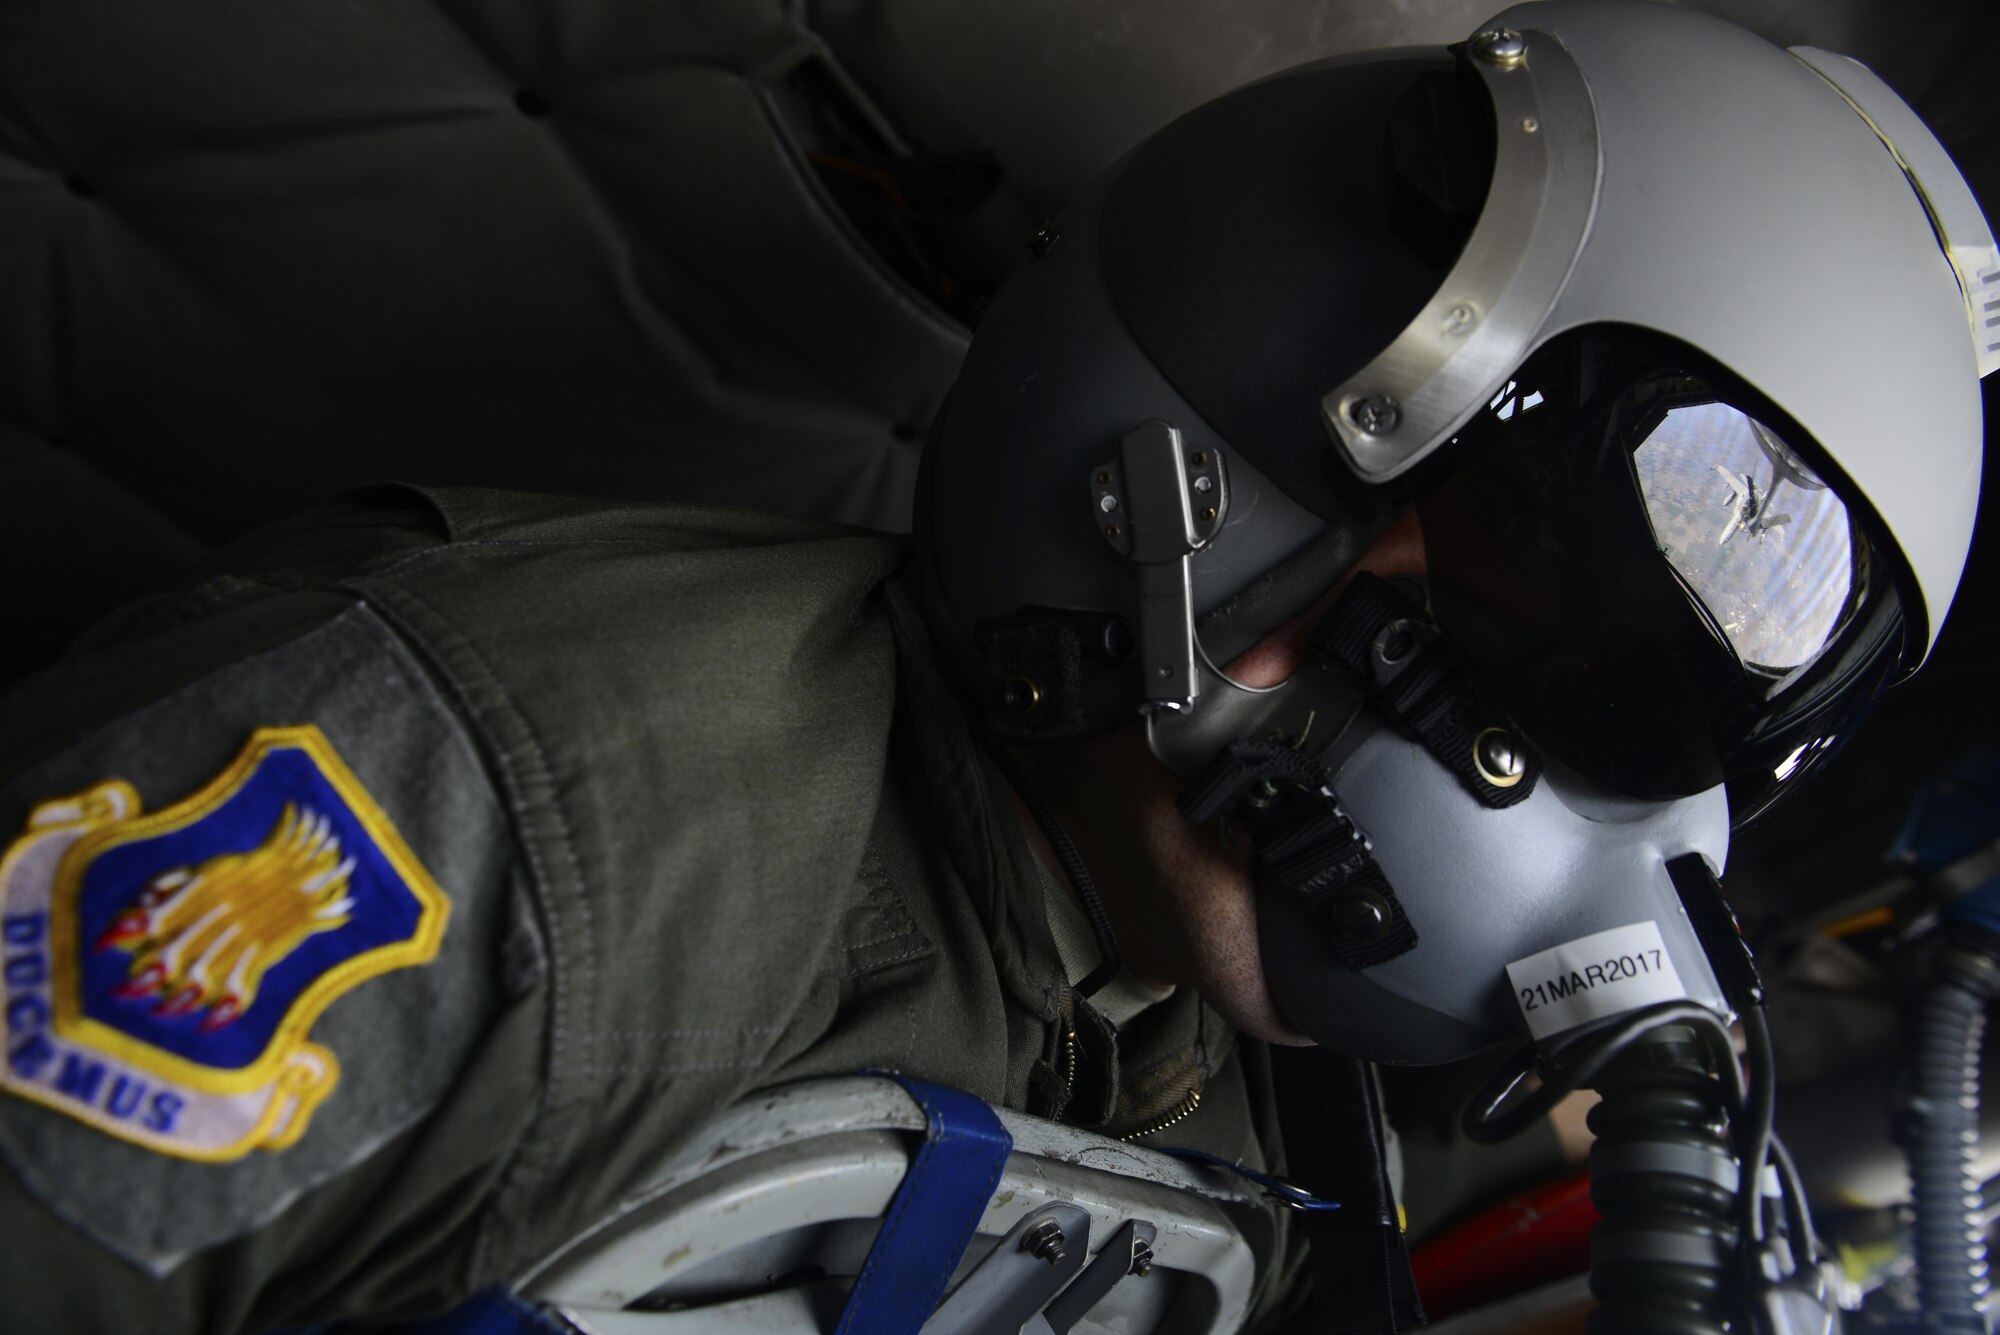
(255, 252)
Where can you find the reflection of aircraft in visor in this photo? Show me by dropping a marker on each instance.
(1748, 510)
(1749, 513)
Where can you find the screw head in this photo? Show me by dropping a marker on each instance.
(1107, 502)
(1111, 530)
(1045, 1242)
(1376, 414)
(1362, 916)
(1200, 459)
(1042, 238)
(1142, 1260)
(1021, 695)
(1208, 513)
(1460, 318)
(1497, 755)
(1395, 644)
(1500, 46)
(1529, 125)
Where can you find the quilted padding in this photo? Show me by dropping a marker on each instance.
(252, 253)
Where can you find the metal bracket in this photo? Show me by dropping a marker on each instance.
(1157, 504)
(1025, 1269)
(1130, 1252)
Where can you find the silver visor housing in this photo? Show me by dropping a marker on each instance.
(1783, 212)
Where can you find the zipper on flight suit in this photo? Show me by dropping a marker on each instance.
(1180, 1112)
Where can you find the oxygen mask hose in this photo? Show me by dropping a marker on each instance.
(1663, 1178)
(1941, 1133)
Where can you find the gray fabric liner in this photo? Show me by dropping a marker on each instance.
(354, 680)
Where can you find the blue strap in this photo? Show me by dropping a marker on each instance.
(931, 1220)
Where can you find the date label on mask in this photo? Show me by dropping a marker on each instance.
(1594, 977)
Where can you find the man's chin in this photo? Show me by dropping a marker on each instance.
(1244, 999)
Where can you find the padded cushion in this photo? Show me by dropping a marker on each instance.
(254, 253)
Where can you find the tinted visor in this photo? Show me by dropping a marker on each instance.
(1642, 559)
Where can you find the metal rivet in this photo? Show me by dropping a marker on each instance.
(1460, 318)
(1500, 46)
(1362, 916)
(1530, 124)
(1045, 1242)
(1103, 479)
(1200, 459)
(1376, 414)
(1395, 643)
(1042, 238)
(1111, 530)
(1208, 514)
(1021, 695)
(1496, 754)
(1142, 1260)
(1107, 502)
(1204, 484)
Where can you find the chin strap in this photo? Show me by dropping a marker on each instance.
(1306, 845)
(1422, 680)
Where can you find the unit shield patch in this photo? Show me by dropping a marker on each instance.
(161, 971)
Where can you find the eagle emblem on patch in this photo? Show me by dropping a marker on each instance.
(160, 972)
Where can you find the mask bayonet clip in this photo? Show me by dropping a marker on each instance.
(1157, 504)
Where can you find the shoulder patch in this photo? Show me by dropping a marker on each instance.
(250, 933)
(162, 970)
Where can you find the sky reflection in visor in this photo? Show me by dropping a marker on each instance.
(1757, 536)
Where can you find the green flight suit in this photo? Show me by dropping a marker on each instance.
(707, 817)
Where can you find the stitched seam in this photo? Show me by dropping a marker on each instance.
(884, 940)
(871, 965)
(666, 1068)
(559, 1028)
(686, 1033)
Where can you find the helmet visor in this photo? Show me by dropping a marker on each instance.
(1634, 549)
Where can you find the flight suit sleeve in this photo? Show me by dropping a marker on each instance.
(271, 981)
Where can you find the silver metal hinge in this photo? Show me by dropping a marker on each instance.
(1157, 504)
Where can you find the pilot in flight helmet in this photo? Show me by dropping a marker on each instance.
(1670, 339)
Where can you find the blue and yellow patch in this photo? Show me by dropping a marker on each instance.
(161, 971)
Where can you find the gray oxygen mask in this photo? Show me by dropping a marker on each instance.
(1417, 905)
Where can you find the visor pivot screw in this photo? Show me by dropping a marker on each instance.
(1107, 502)
(1361, 917)
(1500, 46)
(1042, 238)
(1529, 125)
(1376, 414)
(1142, 1260)
(1496, 754)
(1021, 695)
(1045, 1242)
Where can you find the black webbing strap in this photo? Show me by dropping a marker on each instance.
(1331, 1118)
(1306, 844)
(1435, 695)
